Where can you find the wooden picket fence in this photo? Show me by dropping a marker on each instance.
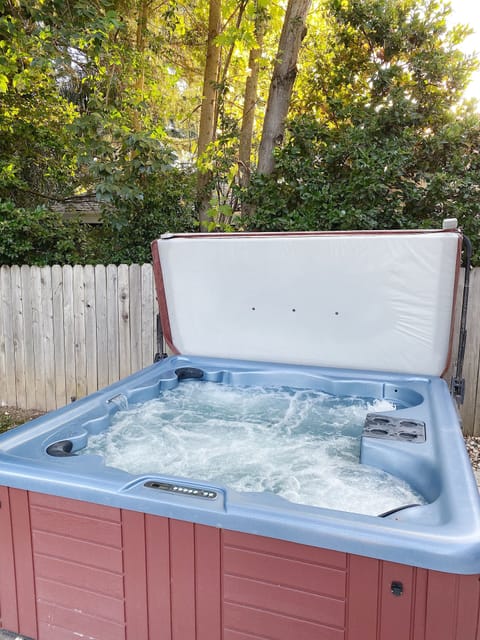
(68, 331)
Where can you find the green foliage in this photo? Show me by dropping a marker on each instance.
(35, 154)
(384, 54)
(358, 178)
(39, 237)
(220, 161)
(388, 143)
(80, 111)
(133, 220)
(104, 95)
(142, 194)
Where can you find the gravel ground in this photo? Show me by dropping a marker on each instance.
(473, 447)
(12, 417)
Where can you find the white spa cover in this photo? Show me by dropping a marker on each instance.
(357, 300)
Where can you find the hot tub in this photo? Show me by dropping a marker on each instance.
(89, 548)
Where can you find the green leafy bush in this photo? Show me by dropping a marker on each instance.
(39, 237)
(130, 224)
(143, 195)
(361, 177)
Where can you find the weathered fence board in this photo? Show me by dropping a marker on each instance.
(37, 340)
(58, 336)
(67, 331)
(18, 336)
(101, 325)
(112, 324)
(149, 301)
(27, 334)
(8, 343)
(471, 409)
(123, 320)
(91, 353)
(135, 289)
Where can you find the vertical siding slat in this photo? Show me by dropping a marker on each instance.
(112, 324)
(79, 328)
(23, 557)
(18, 337)
(420, 595)
(182, 561)
(148, 345)
(124, 321)
(69, 333)
(31, 399)
(135, 572)
(442, 604)
(90, 329)
(208, 584)
(157, 537)
(48, 339)
(135, 289)
(101, 325)
(468, 602)
(477, 637)
(8, 593)
(59, 336)
(362, 598)
(7, 330)
(396, 612)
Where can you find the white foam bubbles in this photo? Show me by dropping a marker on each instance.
(300, 444)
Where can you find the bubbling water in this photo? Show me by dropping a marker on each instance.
(302, 445)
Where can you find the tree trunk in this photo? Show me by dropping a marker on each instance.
(250, 101)
(284, 74)
(206, 133)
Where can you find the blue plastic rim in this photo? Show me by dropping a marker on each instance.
(442, 535)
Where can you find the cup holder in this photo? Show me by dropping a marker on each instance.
(379, 432)
(391, 428)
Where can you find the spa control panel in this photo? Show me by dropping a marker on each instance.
(182, 489)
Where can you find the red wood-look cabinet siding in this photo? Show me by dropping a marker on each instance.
(283, 591)
(78, 565)
(70, 569)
